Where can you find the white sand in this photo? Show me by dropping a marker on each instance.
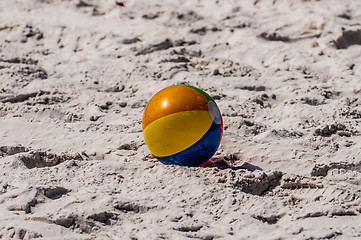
(75, 78)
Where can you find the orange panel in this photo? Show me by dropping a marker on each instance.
(174, 99)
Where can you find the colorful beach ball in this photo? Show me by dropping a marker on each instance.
(182, 125)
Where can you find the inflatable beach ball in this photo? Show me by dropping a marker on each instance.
(182, 125)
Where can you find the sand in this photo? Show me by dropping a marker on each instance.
(75, 77)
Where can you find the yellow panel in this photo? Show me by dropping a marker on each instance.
(175, 132)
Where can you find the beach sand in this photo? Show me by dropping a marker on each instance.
(75, 77)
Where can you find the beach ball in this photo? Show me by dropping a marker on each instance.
(182, 125)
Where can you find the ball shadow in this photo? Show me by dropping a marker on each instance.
(223, 163)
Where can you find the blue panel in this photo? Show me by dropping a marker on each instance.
(199, 152)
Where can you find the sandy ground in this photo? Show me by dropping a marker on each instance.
(75, 77)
